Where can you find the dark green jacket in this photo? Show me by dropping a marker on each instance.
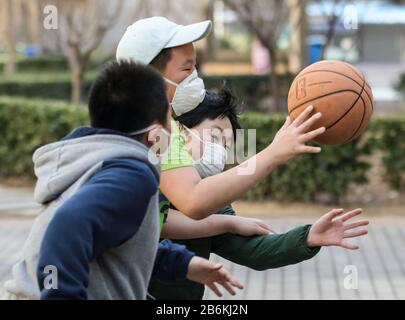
(256, 252)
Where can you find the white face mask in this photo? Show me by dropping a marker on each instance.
(189, 93)
(213, 159)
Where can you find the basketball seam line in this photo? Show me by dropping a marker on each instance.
(361, 122)
(362, 76)
(359, 96)
(342, 74)
(323, 96)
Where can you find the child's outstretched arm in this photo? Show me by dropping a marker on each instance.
(291, 247)
(179, 226)
(198, 198)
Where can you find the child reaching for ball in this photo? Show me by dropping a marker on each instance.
(249, 242)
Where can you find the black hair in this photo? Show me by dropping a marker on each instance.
(128, 96)
(162, 59)
(215, 105)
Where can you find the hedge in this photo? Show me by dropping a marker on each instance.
(27, 124)
(308, 177)
(42, 85)
(56, 85)
(40, 64)
(251, 88)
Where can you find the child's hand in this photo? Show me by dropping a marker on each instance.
(331, 229)
(210, 274)
(291, 138)
(248, 226)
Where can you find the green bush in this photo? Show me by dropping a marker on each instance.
(42, 85)
(56, 85)
(251, 88)
(27, 124)
(388, 136)
(40, 64)
(306, 177)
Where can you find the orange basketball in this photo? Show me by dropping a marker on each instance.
(340, 92)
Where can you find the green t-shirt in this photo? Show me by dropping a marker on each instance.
(178, 157)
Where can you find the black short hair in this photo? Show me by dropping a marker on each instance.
(162, 59)
(128, 96)
(215, 105)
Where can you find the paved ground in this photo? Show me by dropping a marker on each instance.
(380, 265)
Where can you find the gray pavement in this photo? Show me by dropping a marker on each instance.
(379, 264)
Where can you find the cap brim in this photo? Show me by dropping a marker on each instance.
(190, 33)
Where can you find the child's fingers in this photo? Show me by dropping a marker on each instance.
(265, 226)
(303, 116)
(216, 266)
(227, 287)
(307, 124)
(354, 234)
(287, 123)
(215, 289)
(235, 283)
(227, 277)
(333, 213)
(353, 225)
(350, 246)
(312, 134)
(261, 231)
(308, 149)
(351, 214)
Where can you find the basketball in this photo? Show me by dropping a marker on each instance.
(340, 92)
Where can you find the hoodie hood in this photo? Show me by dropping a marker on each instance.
(59, 165)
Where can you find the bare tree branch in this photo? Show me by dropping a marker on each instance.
(264, 19)
(83, 26)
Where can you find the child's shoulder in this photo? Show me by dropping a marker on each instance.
(130, 172)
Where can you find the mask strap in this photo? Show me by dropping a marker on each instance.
(171, 82)
(193, 133)
(147, 129)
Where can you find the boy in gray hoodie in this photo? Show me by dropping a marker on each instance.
(97, 236)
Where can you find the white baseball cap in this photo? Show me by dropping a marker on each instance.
(146, 38)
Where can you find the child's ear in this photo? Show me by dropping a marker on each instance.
(159, 139)
(153, 135)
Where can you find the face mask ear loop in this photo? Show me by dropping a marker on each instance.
(147, 129)
(192, 133)
(171, 82)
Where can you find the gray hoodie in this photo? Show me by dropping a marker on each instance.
(90, 169)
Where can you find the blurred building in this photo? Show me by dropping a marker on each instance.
(369, 34)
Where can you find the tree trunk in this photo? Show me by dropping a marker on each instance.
(34, 22)
(274, 83)
(211, 41)
(77, 77)
(330, 34)
(298, 57)
(8, 31)
(78, 65)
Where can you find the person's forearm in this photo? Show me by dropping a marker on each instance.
(179, 226)
(265, 252)
(209, 195)
(171, 262)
